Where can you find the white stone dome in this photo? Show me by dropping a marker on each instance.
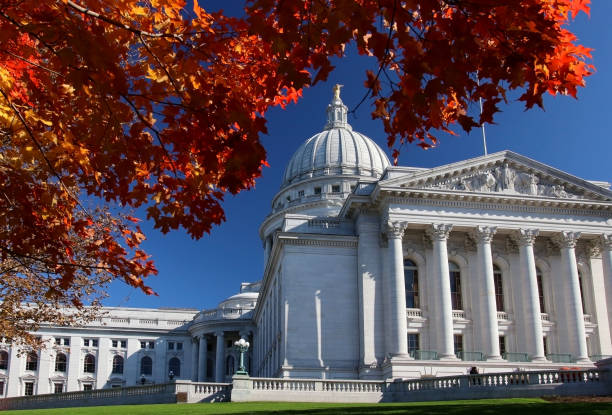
(336, 151)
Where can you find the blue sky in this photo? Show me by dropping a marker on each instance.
(571, 135)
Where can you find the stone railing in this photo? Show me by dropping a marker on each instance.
(192, 392)
(587, 318)
(414, 313)
(489, 385)
(502, 315)
(226, 314)
(545, 317)
(458, 315)
(515, 357)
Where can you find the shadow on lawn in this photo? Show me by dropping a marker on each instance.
(579, 408)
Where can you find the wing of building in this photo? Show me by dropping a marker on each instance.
(372, 272)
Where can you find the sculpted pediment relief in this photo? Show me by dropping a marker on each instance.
(507, 180)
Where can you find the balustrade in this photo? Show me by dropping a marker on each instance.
(515, 357)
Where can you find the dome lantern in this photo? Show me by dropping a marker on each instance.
(337, 112)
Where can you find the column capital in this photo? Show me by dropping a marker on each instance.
(219, 333)
(395, 229)
(483, 234)
(439, 231)
(566, 239)
(525, 237)
(606, 241)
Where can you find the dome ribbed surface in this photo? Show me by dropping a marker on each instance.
(336, 151)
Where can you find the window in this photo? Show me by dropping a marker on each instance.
(60, 362)
(411, 279)
(114, 343)
(87, 387)
(300, 193)
(413, 343)
(58, 341)
(124, 344)
(89, 364)
(85, 342)
(28, 388)
(151, 345)
(179, 346)
(146, 366)
(458, 342)
(545, 341)
(502, 344)
(499, 288)
(143, 345)
(117, 365)
(580, 283)
(170, 345)
(4, 359)
(90, 342)
(1, 388)
(317, 190)
(174, 366)
(32, 361)
(353, 187)
(335, 188)
(66, 341)
(229, 365)
(455, 285)
(94, 342)
(541, 291)
(58, 387)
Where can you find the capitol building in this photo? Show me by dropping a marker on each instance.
(374, 271)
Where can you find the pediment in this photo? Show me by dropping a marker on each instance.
(503, 173)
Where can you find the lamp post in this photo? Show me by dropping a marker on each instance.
(242, 346)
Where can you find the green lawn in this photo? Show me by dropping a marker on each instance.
(488, 406)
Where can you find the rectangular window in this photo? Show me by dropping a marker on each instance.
(499, 290)
(317, 190)
(87, 387)
(85, 342)
(143, 345)
(94, 342)
(545, 341)
(58, 341)
(353, 187)
(300, 193)
(28, 389)
(58, 387)
(413, 343)
(1, 388)
(502, 344)
(458, 341)
(151, 345)
(170, 345)
(114, 343)
(66, 341)
(411, 283)
(336, 188)
(124, 344)
(541, 293)
(179, 346)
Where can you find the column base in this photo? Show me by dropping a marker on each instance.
(583, 360)
(539, 359)
(448, 357)
(495, 359)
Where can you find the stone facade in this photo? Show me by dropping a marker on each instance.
(377, 272)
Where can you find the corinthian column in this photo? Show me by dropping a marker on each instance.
(483, 236)
(397, 337)
(220, 358)
(202, 359)
(439, 235)
(533, 316)
(606, 256)
(567, 242)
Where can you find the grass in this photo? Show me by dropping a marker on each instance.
(485, 406)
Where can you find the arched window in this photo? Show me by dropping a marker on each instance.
(89, 364)
(4, 359)
(580, 284)
(146, 366)
(60, 362)
(174, 366)
(455, 285)
(117, 365)
(32, 361)
(411, 279)
(499, 288)
(229, 365)
(540, 290)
